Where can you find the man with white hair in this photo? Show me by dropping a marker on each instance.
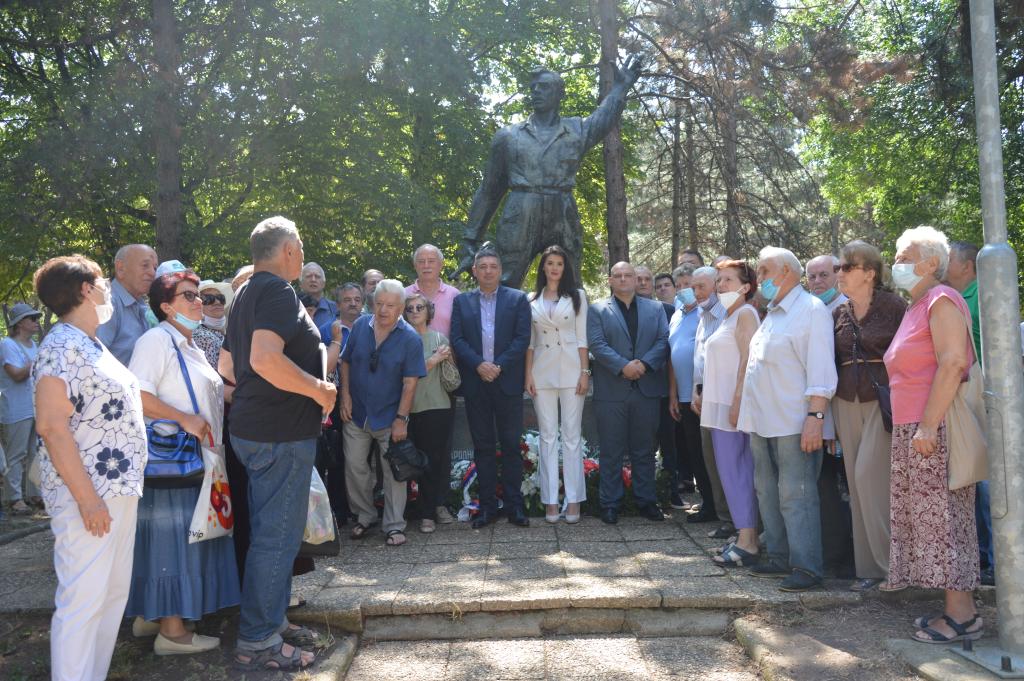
(312, 283)
(790, 378)
(428, 260)
(822, 280)
(712, 313)
(134, 271)
(380, 367)
(272, 352)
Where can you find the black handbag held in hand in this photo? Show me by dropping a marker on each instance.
(407, 462)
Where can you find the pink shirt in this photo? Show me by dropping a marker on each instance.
(910, 359)
(443, 302)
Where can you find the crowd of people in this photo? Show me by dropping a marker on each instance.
(762, 395)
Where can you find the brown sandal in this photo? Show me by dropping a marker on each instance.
(358, 531)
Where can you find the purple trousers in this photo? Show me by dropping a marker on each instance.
(736, 470)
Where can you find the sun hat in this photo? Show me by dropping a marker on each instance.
(19, 312)
(221, 287)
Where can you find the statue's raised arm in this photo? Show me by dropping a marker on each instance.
(535, 163)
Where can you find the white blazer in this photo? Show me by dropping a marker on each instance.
(556, 340)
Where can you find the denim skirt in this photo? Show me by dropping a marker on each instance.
(169, 575)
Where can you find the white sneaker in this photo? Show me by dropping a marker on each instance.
(199, 644)
(444, 516)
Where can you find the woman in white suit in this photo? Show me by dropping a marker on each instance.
(558, 373)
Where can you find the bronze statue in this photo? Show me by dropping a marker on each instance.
(535, 162)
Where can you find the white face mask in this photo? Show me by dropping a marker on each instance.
(215, 323)
(904, 277)
(728, 298)
(105, 310)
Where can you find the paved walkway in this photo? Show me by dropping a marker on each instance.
(635, 564)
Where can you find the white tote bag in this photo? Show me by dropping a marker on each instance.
(214, 515)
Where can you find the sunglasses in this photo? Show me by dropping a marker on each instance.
(419, 307)
(211, 298)
(374, 360)
(190, 296)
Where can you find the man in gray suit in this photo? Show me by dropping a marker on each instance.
(628, 336)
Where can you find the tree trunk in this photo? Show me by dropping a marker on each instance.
(677, 184)
(730, 178)
(170, 214)
(833, 221)
(690, 181)
(614, 175)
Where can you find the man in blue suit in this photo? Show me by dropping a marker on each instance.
(490, 333)
(628, 337)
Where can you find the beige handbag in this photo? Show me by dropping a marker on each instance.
(965, 430)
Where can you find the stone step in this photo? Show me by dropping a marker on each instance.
(555, 658)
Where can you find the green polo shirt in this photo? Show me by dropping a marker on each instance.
(970, 295)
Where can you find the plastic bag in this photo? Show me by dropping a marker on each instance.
(319, 519)
(214, 515)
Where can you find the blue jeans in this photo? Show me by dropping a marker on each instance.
(983, 516)
(786, 480)
(279, 476)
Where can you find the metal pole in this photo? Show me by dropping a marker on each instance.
(1000, 340)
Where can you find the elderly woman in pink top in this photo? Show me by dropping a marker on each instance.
(934, 537)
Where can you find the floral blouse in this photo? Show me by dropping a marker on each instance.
(107, 422)
(209, 341)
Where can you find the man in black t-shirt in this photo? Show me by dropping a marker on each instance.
(272, 351)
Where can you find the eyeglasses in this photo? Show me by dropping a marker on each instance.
(374, 360)
(419, 307)
(190, 296)
(846, 267)
(211, 298)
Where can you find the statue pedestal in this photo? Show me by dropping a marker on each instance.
(463, 443)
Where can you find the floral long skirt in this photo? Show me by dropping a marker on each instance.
(934, 535)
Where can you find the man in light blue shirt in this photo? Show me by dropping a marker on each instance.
(134, 269)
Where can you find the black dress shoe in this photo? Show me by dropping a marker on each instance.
(651, 512)
(482, 519)
(609, 516)
(702, 516)
(517, 516)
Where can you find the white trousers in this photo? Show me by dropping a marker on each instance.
(93, 579)
(546, 405)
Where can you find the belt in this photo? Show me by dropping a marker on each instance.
(862, 361)
(547, 191)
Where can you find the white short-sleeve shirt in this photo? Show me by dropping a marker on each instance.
(107, 423)
(156, 365)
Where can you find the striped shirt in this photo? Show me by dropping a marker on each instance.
(711, 318)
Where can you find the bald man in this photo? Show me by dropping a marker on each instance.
(822, 280)
(628, 336)
(134, 271)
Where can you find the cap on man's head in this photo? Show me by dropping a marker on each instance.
(21, 311)
(170, 267)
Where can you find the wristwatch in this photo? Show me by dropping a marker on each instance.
(588, 372)
(817, 414)
(404, 417)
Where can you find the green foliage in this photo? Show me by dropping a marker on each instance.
(366, 123)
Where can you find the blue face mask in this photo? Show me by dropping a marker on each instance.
(768, 289)
(190, 324)
(686, 297)
(827, 296)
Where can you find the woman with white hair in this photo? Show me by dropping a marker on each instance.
(934, 537)
(380, 367)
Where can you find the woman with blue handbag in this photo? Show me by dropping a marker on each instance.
(183, 402)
